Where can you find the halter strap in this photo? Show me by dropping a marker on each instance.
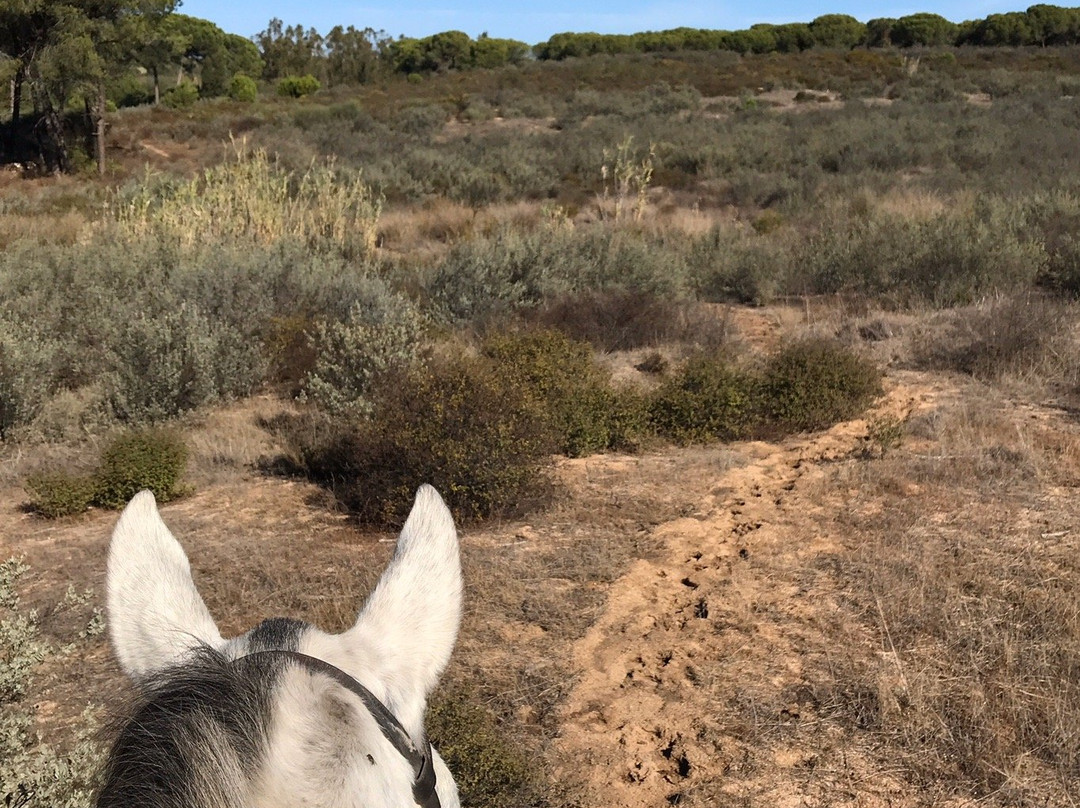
(420, 759)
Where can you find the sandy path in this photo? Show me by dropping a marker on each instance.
(643, 725)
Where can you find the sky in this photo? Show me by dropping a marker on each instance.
(535, 22)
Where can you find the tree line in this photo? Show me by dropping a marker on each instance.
(72, 62)
(1039, 25)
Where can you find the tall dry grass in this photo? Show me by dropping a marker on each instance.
(251, 196)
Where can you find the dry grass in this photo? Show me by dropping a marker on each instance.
(250, 196)
(960, 555)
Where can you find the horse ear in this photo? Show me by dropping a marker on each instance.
(413, 615)
(155, 613)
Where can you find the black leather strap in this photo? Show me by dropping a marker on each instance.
(423, 769)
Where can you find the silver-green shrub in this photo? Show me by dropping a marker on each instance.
(381, 332)
(26, 374)
(174, 361)
(35, 774)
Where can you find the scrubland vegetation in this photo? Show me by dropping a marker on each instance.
(446, 278)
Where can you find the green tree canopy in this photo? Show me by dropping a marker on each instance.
(837, 31)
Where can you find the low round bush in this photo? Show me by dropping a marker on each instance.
(243, 88)
(706, 399)
(461, 425)
(60, 493)
(576, 394)
(298, 86)
(145, 458)
(814, 383)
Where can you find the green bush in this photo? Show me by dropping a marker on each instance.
(489, 771)
(462, 425)
(298, 86)
(60, 493)
(706, 399)
(182, 95)
(243, 88)
(814, 383)
(576, 394)
(145, 458)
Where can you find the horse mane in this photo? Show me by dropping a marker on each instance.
(194, 736)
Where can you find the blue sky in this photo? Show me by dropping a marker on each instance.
(535, 22)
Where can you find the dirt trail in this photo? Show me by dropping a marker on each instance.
(641, 725)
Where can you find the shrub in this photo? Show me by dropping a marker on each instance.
(61, 493)
(615, 319)
(33, 773)
(145, 458)
(250, 197)
(489, 771)
(182, 95)
(298, 86)
(653, 363)
(564, 379)
(462, 425)
(26, 371)
(704, 400)
(176, 361)
(1023, 333)
(243, 88)
(814, 383)
(380, 334)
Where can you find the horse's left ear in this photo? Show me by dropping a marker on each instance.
(411, 619)
(155, 614)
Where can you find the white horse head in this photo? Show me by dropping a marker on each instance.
(285, 715)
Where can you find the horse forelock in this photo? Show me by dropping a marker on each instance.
(217, 732)
(194, 735)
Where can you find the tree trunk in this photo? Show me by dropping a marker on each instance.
(16, 110)
(48, 129)
(157, 87)
(99, 129)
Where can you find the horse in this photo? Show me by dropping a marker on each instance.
(284, 715)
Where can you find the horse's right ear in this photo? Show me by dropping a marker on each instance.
(155, 614)
(411, 619)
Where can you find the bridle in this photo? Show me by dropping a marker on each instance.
(420, 759)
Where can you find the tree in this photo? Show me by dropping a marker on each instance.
(449, 50)
(1051, 25)
(837, 31)
(64, 50)
(352, 55)
(879, 32)
(241, 56)
(1013, 28)
(923, 29)
(793, 37)
(407, 55)
(492, 52)
(154, 44)
(292, 51)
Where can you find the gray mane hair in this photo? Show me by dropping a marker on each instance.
(192, 735)
(286, 714)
